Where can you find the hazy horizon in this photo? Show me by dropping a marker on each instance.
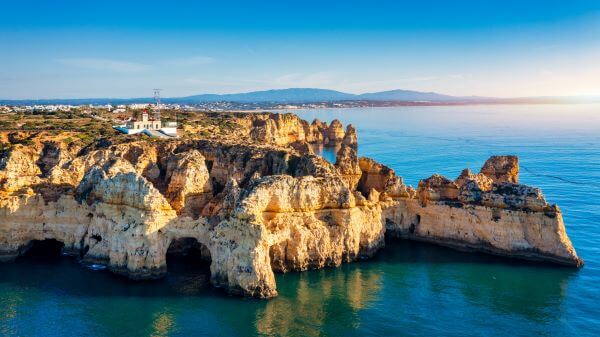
(472, 99)
(122, 50)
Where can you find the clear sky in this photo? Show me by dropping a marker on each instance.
(77, 49)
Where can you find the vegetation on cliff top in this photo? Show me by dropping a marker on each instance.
(82, 128)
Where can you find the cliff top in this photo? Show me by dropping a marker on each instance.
(85, 129)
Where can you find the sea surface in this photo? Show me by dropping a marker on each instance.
(408, 289)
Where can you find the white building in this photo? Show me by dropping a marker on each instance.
(138, 106)
(148, 126)
(145, 123)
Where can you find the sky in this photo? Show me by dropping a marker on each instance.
(119, 49)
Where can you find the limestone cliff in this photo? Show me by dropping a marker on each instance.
(484, 212)
(285, 129)
(258, 206)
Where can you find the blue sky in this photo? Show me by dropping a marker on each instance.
(76, 49)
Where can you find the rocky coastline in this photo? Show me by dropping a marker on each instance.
(257, 200)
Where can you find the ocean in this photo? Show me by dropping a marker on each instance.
(408, 289)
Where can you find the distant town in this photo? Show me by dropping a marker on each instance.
(276, 99)
(85, 108)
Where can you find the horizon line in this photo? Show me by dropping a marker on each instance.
(470, 96)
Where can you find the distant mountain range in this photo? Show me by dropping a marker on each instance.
(307, 95)
(310, 95)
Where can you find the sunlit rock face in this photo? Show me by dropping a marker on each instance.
(285, 129)
(502, 169)
(436, 188)
(350, 137)
(189, 188)
(18, 169)
(335, 133)
(259, 207)
(484, 212)
(375, 176)
(347, 164)
(301, 223)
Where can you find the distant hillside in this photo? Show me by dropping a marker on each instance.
(407, 95)
(312, 95)
(276, 95)
(305, 95)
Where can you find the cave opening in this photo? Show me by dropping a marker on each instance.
(217, 187)
(43, 250)
(188, 257)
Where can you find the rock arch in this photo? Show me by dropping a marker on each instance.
(189, 246)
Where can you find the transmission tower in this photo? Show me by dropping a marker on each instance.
(157, 99)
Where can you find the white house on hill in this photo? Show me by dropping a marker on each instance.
(148, 126)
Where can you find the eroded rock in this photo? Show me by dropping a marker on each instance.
(502, 169)
(262, 206)
(436, 188)
(347, 164)
(350, 137)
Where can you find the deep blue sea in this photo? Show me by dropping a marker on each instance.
(408, 289)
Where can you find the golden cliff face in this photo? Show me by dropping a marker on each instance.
(123, 205)
(286, 129)
(485, 212)
(259, 206)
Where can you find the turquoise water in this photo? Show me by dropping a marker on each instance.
(407, 289)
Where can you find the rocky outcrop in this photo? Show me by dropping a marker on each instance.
(502, 169)
(189, 188)
(350, 137)
(258, 207)
(316, 131)
(436, 188)
(335, 132)
(304, 223)
(18, 169)
(285, 129)
(280, 129)
(483, 213)
(122, 205)
(512, 233)
(347, 164)
(374, 176)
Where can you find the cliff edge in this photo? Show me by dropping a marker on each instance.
(258, 201)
